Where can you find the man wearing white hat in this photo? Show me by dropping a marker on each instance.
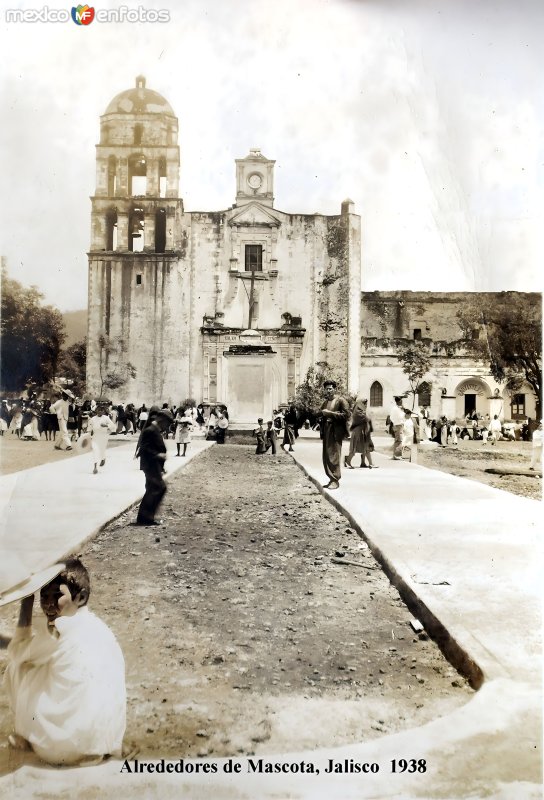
(62, 409)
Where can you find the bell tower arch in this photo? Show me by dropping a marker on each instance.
(137, 174)
(135, 240)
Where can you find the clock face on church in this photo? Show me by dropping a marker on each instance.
(255, 180)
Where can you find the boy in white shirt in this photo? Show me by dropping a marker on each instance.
(66, 678)
(536, 456)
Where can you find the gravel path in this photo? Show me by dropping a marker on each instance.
(241, 635)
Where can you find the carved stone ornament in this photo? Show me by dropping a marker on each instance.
(470, 387)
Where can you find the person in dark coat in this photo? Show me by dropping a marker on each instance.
(334, 414)
(360, 438)
(290, 430)
(152, 453)
(270, 437)
(260, 435)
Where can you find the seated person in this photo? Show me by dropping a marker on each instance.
(66, 676)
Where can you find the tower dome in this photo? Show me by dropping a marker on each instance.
(139, 100)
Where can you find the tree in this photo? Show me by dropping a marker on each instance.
(509, 339)
(72, 364)
(114, 370)
(309, 396)
(31, 336)
(416, 363)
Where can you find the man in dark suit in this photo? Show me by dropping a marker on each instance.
(334, 414)
(152, 453)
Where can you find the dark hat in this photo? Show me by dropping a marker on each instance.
(330, 383)
(165, 413)
(397, 397)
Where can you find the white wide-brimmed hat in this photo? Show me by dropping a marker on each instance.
(84, 443)
(31, 584)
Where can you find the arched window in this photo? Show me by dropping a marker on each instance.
(136, 225)
(162, 177)
(424, 394)
(112, 176)
(111, 230)
(376, 394)
(137, 175)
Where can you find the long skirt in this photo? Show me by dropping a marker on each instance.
(289, 435)
(359, 442)
(99, 445)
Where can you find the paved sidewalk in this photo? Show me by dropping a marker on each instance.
(466, 557)
(48, 511)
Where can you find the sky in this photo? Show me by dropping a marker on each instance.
(428, 114)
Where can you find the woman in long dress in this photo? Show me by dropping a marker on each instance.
(360, 439)
(100, 427)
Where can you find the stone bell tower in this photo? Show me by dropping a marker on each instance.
(137, 172)
(135, 213)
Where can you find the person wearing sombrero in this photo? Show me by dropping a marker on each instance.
(62, 409)
(65, 674)
(334, 415)
(151, 451)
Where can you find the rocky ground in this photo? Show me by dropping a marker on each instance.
(240, 634)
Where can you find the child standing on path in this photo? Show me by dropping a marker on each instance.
(66, 677)
(260, 435)
(183, 432)
(270, 436)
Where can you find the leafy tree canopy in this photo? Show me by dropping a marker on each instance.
(31, 336)
(72, 364)
(509, 337)
(309, 394)
(416, 363)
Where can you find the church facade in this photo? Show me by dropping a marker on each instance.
(225, 307)
(234, 306)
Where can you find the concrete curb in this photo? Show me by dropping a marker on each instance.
(453, 651)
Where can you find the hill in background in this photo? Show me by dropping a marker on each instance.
(76, 326)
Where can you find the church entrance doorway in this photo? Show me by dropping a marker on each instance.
(246, 391)
(470, 403)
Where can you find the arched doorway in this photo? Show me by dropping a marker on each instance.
(472, 394)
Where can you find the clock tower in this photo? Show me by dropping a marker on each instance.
(254, 179)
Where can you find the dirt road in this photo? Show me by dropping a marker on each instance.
(240, 634)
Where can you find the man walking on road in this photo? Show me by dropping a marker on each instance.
(152, 452)
(334, 415)
(396, 415)
(62, 409)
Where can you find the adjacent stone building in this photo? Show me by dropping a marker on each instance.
(459, 381)
(229, 306)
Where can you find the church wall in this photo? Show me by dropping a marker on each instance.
(169, 291)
